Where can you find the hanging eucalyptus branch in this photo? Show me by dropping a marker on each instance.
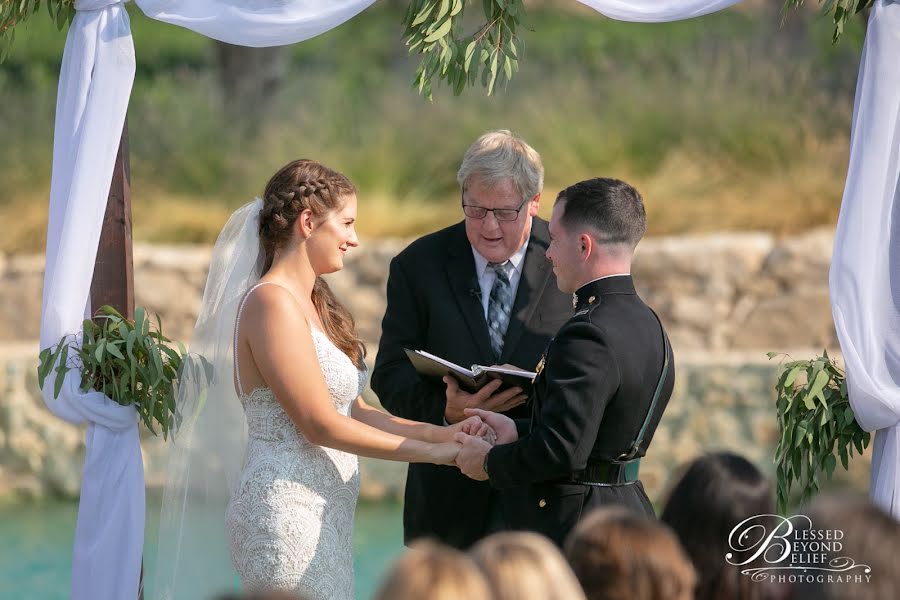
(815, 423)
(491, 51)
(16, 12)
(129, 362)
(842, 9)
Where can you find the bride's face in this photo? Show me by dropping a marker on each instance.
(331, 238)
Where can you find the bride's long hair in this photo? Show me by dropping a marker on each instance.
(297, 186)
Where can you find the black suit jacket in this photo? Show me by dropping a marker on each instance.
(433, 304)
(588, 404)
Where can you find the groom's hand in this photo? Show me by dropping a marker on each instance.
(470, 459)
(485, 398)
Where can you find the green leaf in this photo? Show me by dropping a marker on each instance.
(440, 32)
(830, 463)
(98, 353)
(423, 14)
(61, 369)
(44, 366)
(112, 349)
(443, 10)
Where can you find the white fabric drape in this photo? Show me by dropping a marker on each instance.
(656, 11)
(257, 22)
(94, 86)
(95, 83)
(865, 270)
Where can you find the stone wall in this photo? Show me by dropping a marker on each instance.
(725, 299)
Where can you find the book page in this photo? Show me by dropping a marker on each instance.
(450, 365)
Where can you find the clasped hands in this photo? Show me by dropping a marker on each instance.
(477, 427)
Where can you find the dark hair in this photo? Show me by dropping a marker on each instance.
(717, 492)
(297, 186)
(618, 554)
(612, 208)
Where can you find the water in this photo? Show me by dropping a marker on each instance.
(36, 547)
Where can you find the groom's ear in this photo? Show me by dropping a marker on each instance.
(587, 245)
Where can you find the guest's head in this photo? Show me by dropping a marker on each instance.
(431, 571)
(594, 228)
(620, 555)
(503, 174)
(716, 493)
(525, 566)
(870, 536)
(308, 205)
(308, 218)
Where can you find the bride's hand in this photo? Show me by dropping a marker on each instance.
(473, 426)
(445, 453)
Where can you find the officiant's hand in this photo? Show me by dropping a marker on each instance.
(485, 398)
(503, 426)
(470, 459)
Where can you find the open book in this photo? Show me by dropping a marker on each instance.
(471, 380)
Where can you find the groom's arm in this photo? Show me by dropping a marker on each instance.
(581, 377)
(394, 380)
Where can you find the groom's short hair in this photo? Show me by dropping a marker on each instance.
(611, 207)
(500, 155)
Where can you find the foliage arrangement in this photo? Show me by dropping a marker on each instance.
(434, 30)
(815, 422)
(841, 11)
(129, 362)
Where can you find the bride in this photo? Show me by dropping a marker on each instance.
(298, 372)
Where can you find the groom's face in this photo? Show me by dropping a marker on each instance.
(563, 251)
(494, 239)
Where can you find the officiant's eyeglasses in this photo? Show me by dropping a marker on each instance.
(501, 214)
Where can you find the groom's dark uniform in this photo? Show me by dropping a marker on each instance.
(434, 304)
(591, 415)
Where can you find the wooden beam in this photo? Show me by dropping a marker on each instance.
(113, 281)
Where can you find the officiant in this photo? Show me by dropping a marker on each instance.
(603, 383)
(478, 292)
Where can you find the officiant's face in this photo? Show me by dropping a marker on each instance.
(494, 239)
(332, 237)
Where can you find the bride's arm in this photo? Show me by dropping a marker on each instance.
(282, 347)
(426, 432)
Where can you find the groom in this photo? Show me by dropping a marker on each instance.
(478, 292)
(602, 384)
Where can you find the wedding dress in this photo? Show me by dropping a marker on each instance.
(290, 518)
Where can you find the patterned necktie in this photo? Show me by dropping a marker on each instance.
(499, 306)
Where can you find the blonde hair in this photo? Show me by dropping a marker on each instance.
(619, 555)
(500, 155)
(524, 566)
(432, 571)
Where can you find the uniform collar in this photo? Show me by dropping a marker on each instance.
(590, 292)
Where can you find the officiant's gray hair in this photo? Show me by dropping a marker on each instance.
(499, 155)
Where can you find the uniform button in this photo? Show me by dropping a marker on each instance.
(542, 503)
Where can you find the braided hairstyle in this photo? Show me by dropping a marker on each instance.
(297, 186)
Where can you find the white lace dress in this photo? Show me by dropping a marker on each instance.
(290, 518)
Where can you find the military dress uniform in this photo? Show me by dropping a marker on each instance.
(600, 391)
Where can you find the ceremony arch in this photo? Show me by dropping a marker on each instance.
(95, 82)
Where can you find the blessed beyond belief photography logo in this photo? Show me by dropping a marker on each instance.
(790, 550)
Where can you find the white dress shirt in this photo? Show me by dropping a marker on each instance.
(486, 276)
